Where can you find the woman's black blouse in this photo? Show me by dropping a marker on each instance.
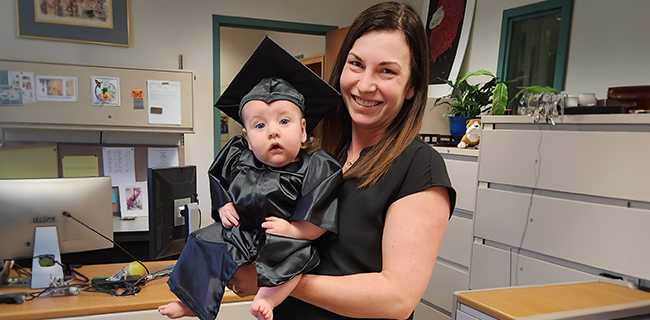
(362, 214)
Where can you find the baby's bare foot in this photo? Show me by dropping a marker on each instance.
(262, 309)
(176, 309)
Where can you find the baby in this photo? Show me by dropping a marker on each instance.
(271, 197)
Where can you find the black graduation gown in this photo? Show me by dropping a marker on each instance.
(303, 190)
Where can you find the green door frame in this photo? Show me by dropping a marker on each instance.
(248, 23)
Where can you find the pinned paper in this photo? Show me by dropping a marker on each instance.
(162, 157)
(80, 166)
(119, 164)
(164, 99)
(53, 88)
(22, 162)
(25, 81)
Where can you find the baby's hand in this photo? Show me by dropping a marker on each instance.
(228, 215)
(278, 227)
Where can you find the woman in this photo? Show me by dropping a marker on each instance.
(396, 198)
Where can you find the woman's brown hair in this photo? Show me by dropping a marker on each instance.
(335, 133)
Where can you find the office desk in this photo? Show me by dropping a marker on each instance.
(587, 300)
(152, 295)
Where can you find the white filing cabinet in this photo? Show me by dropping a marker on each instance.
(562, 203)
(451, 272)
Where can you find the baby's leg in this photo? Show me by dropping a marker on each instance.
(175, 310)
(269, 297)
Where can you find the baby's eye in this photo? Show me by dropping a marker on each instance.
(260, 126)
(284, 121)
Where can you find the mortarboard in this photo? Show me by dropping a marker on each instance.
(270, 60)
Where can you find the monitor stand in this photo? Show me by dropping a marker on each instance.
(46, 242)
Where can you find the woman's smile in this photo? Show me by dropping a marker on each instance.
(366, 103)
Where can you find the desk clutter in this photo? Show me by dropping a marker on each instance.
(127, 281)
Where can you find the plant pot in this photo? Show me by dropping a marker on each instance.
(457, 125)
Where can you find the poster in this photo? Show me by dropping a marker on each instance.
(54, 88)
(448, 24)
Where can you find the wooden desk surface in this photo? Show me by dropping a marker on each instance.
(152, 295)
(513, 303)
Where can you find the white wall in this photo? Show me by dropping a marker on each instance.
(163, 29)
(609, 46)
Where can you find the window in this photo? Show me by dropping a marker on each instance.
(534, 45)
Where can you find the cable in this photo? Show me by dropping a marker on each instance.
(530, 204)
(67, 214)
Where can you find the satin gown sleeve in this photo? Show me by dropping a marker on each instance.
(280, 258)
(222, 171)
(319, 194)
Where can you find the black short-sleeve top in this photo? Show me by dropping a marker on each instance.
(362, 214)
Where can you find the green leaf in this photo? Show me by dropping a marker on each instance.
(538, 89)
(451, 84)
(500, 99)
(481, 72)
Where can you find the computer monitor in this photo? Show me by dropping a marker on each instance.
(29, 208)
(171, 190)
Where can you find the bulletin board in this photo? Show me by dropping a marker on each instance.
(158, 109)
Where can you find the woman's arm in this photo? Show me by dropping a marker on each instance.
(415, 226)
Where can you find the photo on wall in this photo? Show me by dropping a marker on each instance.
(89, 13)
(53, 88)
(448, 24)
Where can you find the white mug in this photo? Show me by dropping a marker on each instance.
(587, 99)
(570, 101)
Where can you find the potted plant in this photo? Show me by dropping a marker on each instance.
(469, 101)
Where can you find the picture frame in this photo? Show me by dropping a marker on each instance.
(104, 22)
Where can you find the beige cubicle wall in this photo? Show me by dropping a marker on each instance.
(82, 114)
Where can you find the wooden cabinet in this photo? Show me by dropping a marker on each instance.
(315, 63)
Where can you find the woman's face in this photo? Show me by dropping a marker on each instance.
(375, 79)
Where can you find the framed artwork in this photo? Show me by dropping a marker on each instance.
(534, 45)
(448, 24)
(87, 21)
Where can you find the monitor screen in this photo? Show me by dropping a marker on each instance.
(170, 189)
(29, 203)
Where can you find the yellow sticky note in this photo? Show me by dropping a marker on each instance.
(80, 166)
(25, 162)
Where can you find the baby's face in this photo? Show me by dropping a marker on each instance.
(274, 131)
(55, 87)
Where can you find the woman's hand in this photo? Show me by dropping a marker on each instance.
(244, 282)
(228, 215)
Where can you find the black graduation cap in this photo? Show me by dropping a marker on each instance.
(271, 60)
